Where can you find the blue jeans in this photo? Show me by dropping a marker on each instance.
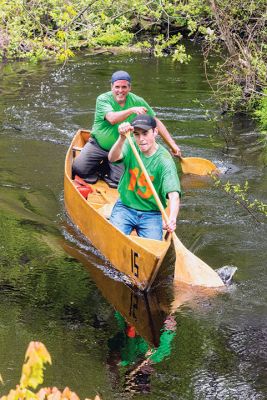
(147, 224)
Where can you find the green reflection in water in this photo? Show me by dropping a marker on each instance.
(46, 295)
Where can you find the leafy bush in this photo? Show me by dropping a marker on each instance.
(261, 113)
(113, 36)
(32, 376)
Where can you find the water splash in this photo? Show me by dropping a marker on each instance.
(226, 273)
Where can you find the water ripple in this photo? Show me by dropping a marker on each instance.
(210, 385)
(180, 114)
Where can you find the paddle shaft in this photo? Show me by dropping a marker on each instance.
(193, 165)
(169, 143)
(150, 184)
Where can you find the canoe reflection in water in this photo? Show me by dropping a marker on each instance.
(146, 326)
(129, 349)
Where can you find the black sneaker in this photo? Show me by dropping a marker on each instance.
(91, 179)
(110, 183)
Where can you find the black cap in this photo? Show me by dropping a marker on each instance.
(120, 76)
(144, 121)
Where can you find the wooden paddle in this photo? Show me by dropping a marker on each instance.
(188, 267)
(194, 165)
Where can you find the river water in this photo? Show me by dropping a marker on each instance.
(56, 288)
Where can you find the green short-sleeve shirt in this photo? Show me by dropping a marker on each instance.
(133, 188)
(105, 133)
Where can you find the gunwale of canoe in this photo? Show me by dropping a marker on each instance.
(136, 257)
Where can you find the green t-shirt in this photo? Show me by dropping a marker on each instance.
(133, 188)
(105, 133)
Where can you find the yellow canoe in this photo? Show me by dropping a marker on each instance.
(139, 258)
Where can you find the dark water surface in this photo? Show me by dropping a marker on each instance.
(212, 347)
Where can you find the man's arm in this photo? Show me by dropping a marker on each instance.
(114, 117)
(174, 205)
(115, 153)
(167, 138)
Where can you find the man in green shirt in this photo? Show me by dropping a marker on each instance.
(136, 207)
(112, 108)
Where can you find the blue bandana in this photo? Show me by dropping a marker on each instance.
(120, 76)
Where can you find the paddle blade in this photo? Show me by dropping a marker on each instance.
(197, 166)
(191, 270)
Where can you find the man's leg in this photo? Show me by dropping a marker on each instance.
(150, 225)
(87, 163)
(123, 217)
(116, 171)
(114, 174)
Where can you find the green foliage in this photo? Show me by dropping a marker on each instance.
(163, 46)
(261, 112)
(113, 36)
(180, 55)
(239, 38)
(240, 195)
(40, 29)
